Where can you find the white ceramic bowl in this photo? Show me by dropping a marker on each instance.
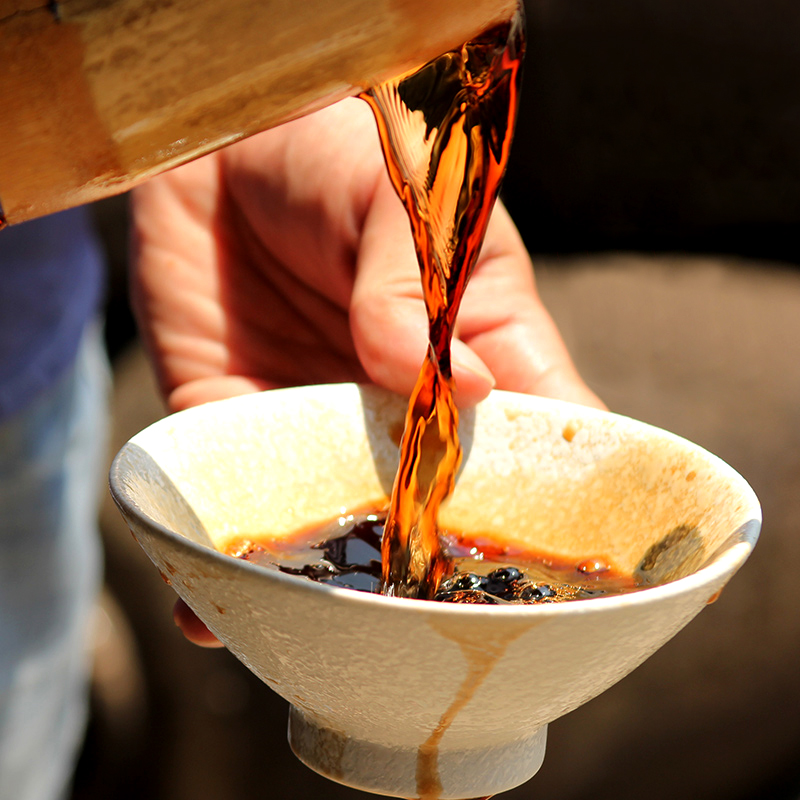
(411, 698)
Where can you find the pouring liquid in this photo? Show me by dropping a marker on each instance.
(446, 131)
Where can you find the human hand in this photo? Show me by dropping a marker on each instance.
(287, 259)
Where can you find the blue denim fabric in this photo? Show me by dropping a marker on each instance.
(51, 278)
(52, 459)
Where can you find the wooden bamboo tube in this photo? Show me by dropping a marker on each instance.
(97, 95)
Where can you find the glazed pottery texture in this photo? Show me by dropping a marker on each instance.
(413, 698)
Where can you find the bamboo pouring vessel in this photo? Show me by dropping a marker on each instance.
(98, 95)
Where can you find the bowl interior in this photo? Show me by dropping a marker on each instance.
(538, 475)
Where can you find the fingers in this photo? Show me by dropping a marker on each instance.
(505, 336)
(192, 627)
(504, 322)
(174, 290)
(207, 390)
(387, 313)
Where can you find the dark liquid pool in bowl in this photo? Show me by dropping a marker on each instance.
(346, 552)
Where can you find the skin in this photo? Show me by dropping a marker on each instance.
(287, 259)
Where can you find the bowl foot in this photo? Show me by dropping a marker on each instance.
(404, 772)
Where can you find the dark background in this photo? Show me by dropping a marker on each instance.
(656, 179)
(650, 125)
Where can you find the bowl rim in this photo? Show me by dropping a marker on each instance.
(726, 561)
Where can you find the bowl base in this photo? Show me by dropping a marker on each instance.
(403, 772)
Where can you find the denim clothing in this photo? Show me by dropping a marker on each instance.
(51, 279)
(52, 460)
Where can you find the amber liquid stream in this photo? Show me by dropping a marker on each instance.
(446, 131)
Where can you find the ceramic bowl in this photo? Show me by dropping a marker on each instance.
(406, 697)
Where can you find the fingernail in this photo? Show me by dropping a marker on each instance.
(464, 360)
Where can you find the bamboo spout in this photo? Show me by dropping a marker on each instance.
(98, 95)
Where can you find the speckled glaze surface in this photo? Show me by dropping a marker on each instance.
(405, 697)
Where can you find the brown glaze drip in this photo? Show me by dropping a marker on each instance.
(446, 132)
(481, 652)
(481, 662)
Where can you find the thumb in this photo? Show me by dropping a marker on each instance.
(388, 319)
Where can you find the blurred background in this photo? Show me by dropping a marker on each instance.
(656, 180)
